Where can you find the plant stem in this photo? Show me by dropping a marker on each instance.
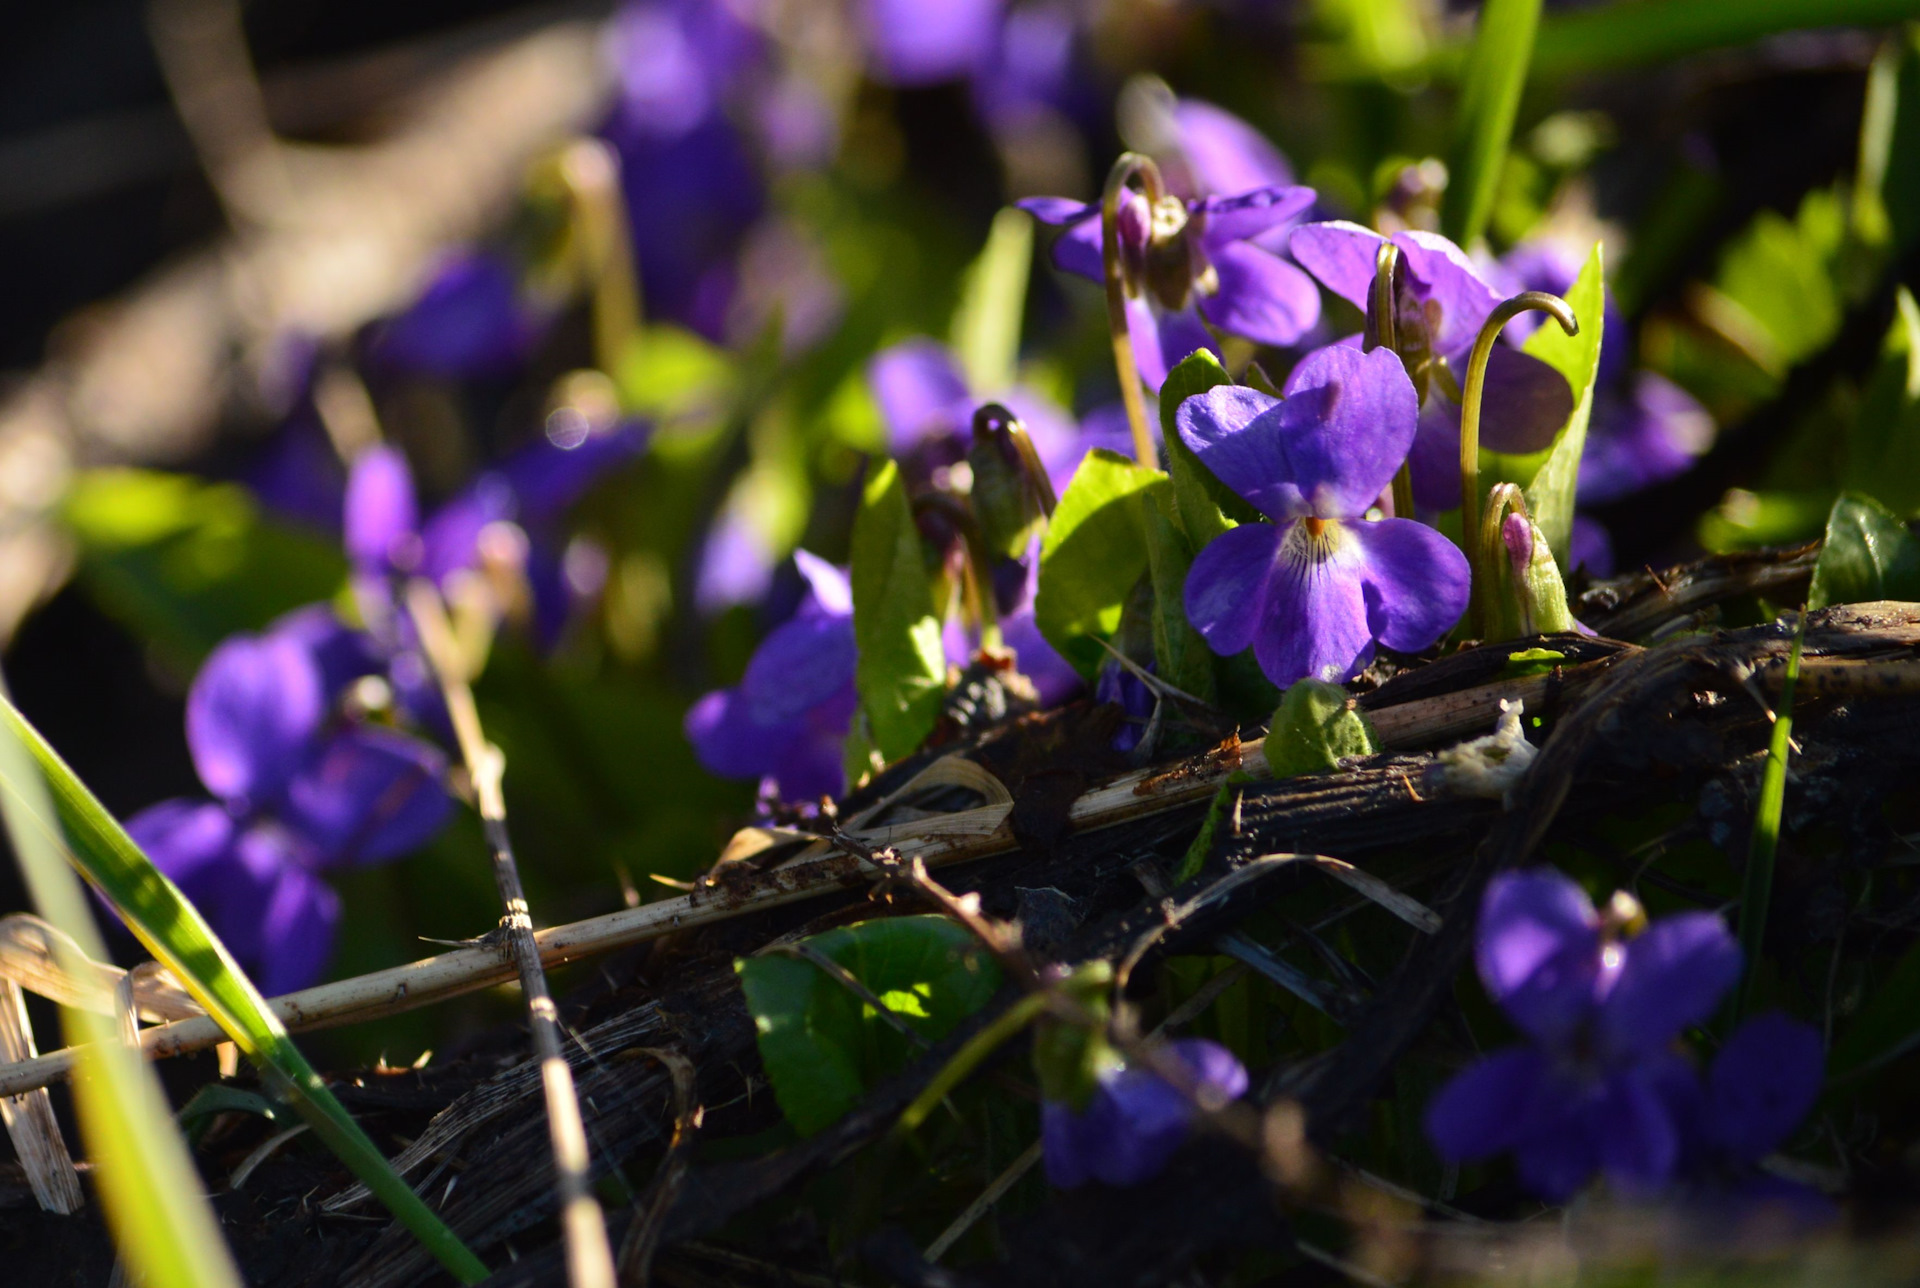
(1383, 332)
(1124, 170)
(589, 1255)
(1470, 399)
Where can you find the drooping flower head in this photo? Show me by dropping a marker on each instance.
(1599, 1086)
(1316, 589)
(1440, 305)
(295, 794)
(1128, 1131)
(1187, 263)
(786, 720)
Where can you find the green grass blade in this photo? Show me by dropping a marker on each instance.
(1641, 32)
(174, 932)
(1757, 891)
(156, 1208)
(1489, 100)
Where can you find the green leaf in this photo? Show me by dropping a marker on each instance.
(1775, 295)
(1634, 33)
(902, 671)
(823, 1045)
(993, 300)
(185, 563)
(1550, 477)
(1483, 122)
(1883, 445)
(1869, 554)
(1183, 658)
(1316, 726)
(1206, 506)
(172, 929)
(1531, 661)
(156, 1206)
(1096, 549)
(1888, 1024)
(671, 372)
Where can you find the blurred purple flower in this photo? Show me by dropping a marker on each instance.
(691, 185)
(1185, 261)
(294, 797)
(1442, 303)
(1129, 1130)
(924, 42)
(385, 536)
(1314, 591)
(927, 410)
(467, 324)
(1218, 152)
(786, 720)
(1599, 1086)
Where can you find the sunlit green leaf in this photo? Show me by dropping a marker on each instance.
(823, 1045)
(902, 672)
(185, 563)
(1095, 550)
(1550, 477)
(1869, 554)
(1316, 726)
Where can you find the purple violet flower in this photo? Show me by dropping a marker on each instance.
(385, 536)
(1135, 1121)
(294, 797)
(467, 324)
(1316, 589)
(927, 409)
(1443, 302)
(1120, 687)
(786, 720)
(1187, 263)
(924, 42)
(1599, 1085)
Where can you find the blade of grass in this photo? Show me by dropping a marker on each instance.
(172, 930)
(993, 302)
(1757, 890)
(1641, 32)
(1483, 125)
(155, 1204)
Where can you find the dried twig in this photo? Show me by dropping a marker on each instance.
(589, 1256)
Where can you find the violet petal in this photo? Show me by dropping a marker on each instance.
(298, 924)
(370, 795)
(1341, 254)
(921, 392)
(1224, 152)
(1442, 273)
(1477, 1114)
(1675, 973)
(1761, 1084)
(1228, 586)
(1163, 339)
(1261, 296)
(1248, 214)
(380, 514)
(1538, 951)
(251, 713)
(1416, 581)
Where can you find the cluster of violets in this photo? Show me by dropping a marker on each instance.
(316, 739)
(1600, 1084)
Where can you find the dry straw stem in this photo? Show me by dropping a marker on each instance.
(589, 1255)
(939, 840)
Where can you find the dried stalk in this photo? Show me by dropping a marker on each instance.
(589, 1255)
(822, 869)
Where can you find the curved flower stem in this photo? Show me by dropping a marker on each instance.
(589, 1254)
(1470, 398)
(590, 172)
(1124, 170)
(1382, 331)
